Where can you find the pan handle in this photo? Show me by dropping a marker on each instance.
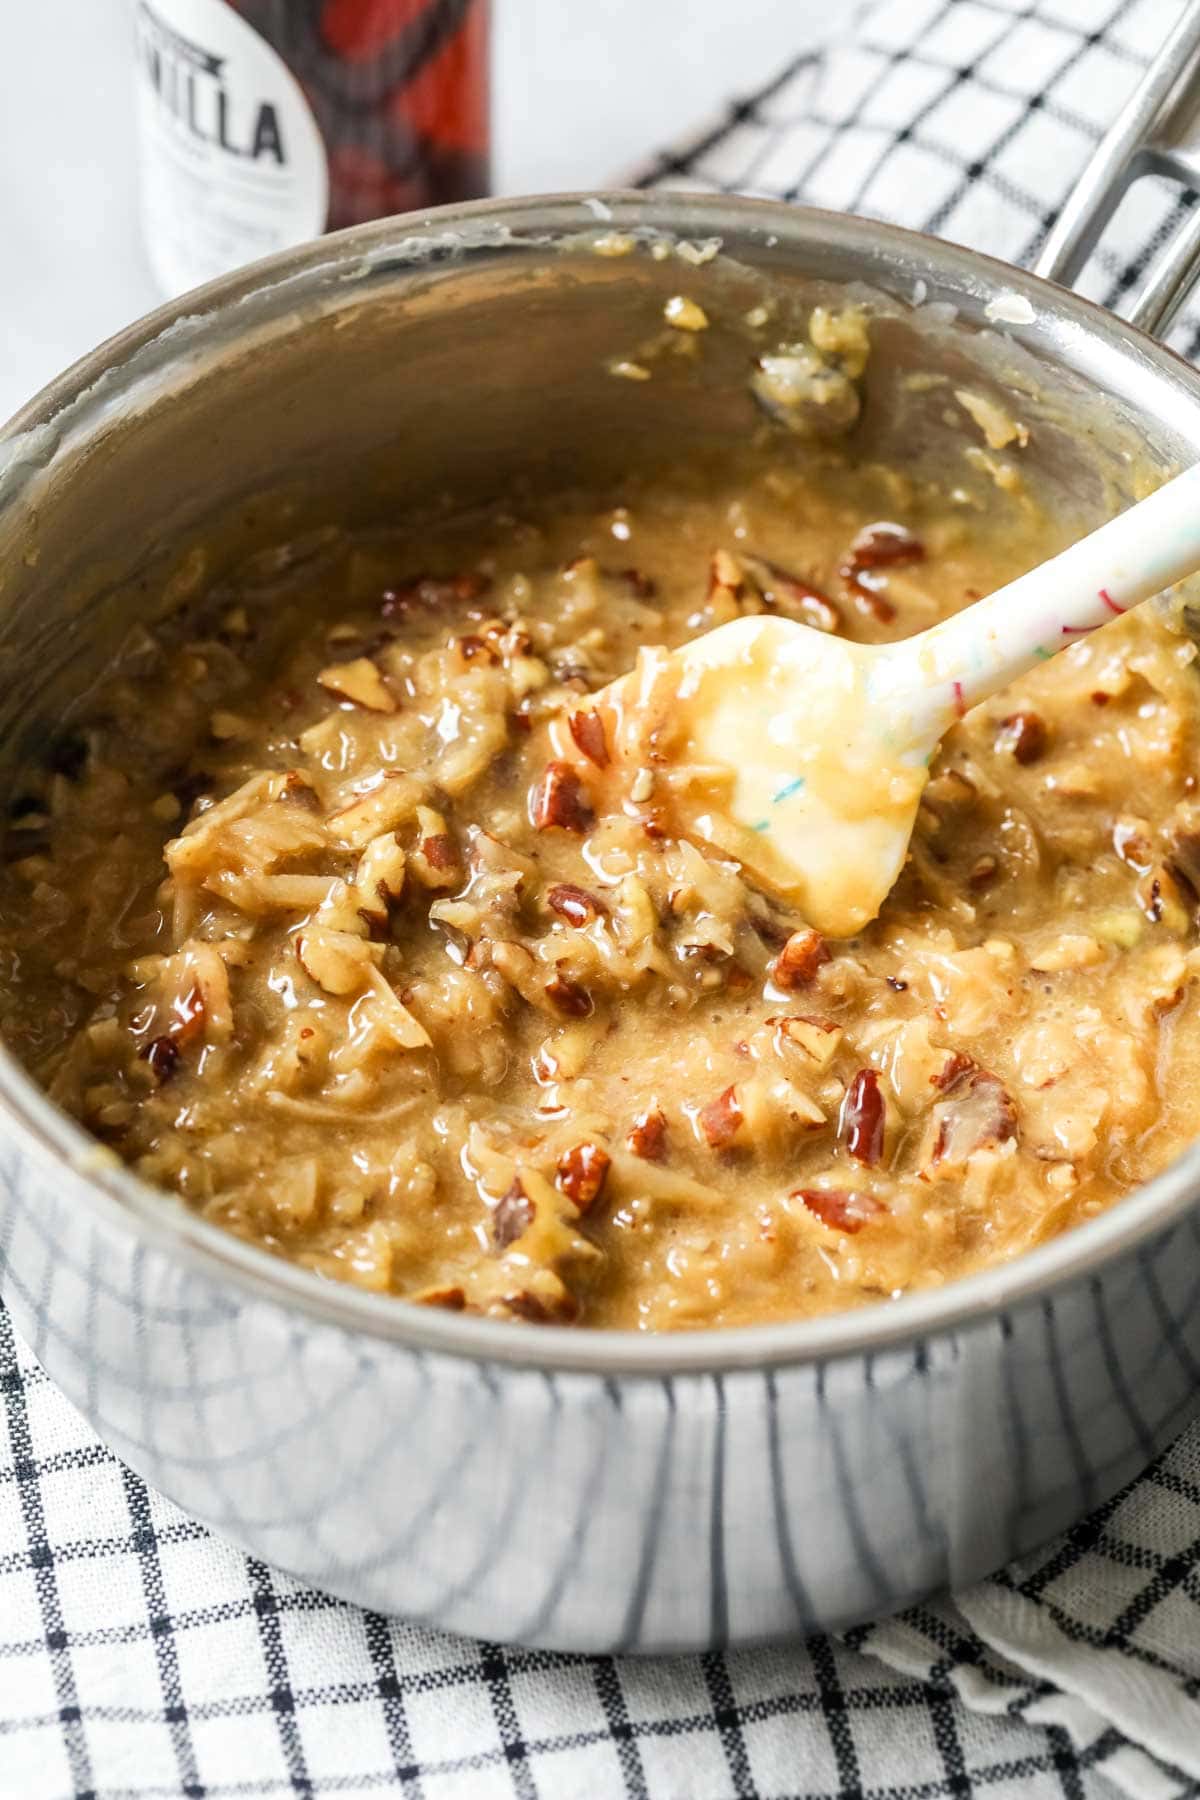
(1157, 133)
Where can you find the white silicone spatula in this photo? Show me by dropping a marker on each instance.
(826, 744)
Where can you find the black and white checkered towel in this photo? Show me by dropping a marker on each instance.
(140, 1656)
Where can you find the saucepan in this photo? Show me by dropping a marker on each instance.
(587, 1491)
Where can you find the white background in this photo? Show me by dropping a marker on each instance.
(584, 89)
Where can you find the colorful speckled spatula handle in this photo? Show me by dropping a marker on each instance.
(937, 676)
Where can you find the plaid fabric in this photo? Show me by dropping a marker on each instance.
(971, 119)
(141, 1657)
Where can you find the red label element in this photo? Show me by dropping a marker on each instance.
(399, 90)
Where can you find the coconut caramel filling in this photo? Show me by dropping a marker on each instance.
(344, 916)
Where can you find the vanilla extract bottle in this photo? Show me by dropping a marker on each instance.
(266, 122)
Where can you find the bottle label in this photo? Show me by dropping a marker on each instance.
(233, 164)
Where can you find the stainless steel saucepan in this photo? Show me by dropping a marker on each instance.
(587, 1491)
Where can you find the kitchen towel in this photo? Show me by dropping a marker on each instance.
(142, 1657)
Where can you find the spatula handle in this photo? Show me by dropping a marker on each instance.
(950, 668)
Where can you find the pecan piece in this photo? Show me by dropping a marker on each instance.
(447, 1299)
(359, 682)
(799, 960)
(863, 1118)
(574, 904)
(792, 595)
(336, 960)
(1023, 735)
(648, 1136)
(842, 1209)
(379, 877)
(298, 790)
(581, 1174)
(562, 1310)
(975, 1113)
(721, 1120)
(513, 1215)
(957, 1063)
(433, 593)
(439, 851)
(1133, 846)
(587, 729)
(817, 1039)
(559, 800)
(569, 997)
(878, 547)
(471, 646)
(726, 585)
(162, 1054)
(1182, 836)
(881, 546)
(187, 1015)
(436, 860)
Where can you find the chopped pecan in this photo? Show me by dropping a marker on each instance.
(562, 1310)
(162, 1054)
(336, 960)
(726, 585)
(581, 1174)
(1182, 836)
(975, 1113)
(881, 546)
(559, 800)
(574, 904)
(569, 997)
(1163, 900)
(471, 648)
(798, 961)
(187, 1015)
(957, 1063)
(817, 1039)
(298, 790)
(878, 547)
(434, 593)
(721, 1120)
(648, 1136)
(359, 682)
(439, 851)
(448, 1299)
(512, 1215)
(1023, 735)
(863, 1118)
(587, 729)
(379, 877)
(1151, 900)
(793, 596)
(842, 1209)
(1133, 846)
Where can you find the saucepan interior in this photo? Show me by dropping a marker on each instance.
(420, 365)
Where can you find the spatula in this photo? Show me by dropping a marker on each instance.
(824, 745)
